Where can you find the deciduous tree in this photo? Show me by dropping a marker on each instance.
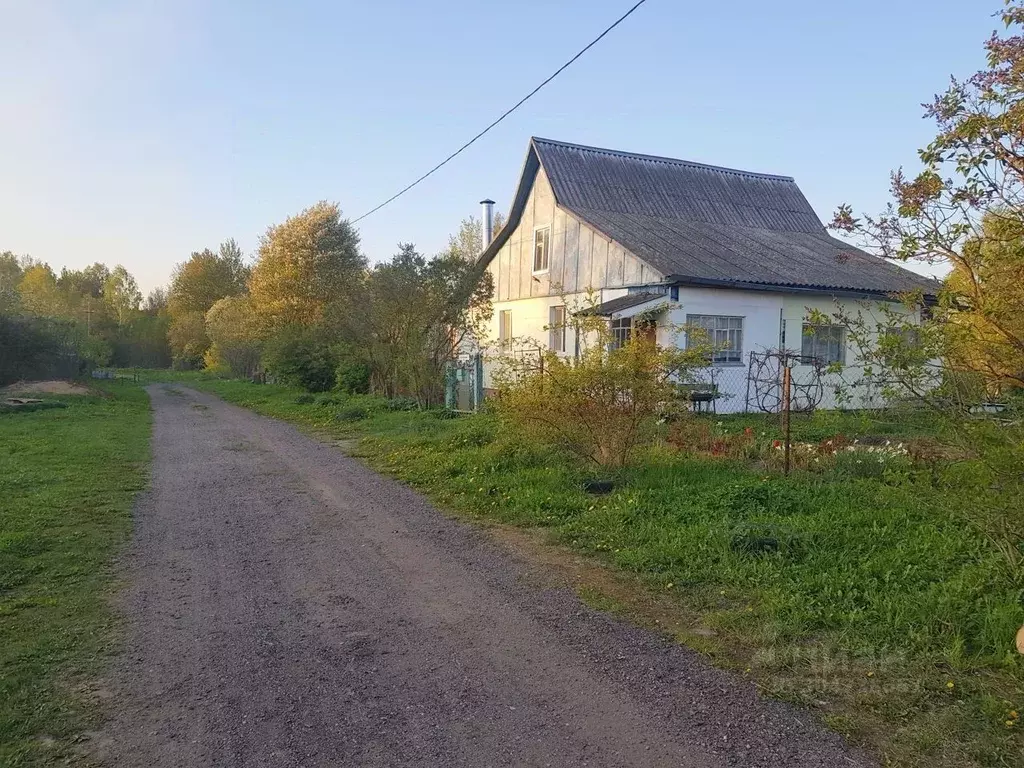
(188, 339)
(965, 208)
(411, 317)
(10, 278)
(39, 293)
(207, 277)
(232, 328)
(122, 296)
(305, 263)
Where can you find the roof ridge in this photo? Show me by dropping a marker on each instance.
(660, 159)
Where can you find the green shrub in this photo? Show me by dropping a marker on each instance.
(301, 357)
(304, 399)
(403, 404)
(352, 413)
(352, 376)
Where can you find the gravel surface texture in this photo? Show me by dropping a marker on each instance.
(287, 606)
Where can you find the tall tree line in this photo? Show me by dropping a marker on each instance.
(60, 324)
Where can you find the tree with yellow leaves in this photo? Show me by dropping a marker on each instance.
(985, 293)
(304, 263)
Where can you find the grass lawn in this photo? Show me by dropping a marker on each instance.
(878, 606)
(68, 476)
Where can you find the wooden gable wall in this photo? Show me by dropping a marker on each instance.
(580, 258)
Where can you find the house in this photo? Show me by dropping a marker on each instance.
(741, 254)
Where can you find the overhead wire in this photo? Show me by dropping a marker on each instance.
(504, 115)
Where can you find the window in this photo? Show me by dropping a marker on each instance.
(541, 246)
(622, 331)
(825, 342)
(906, 338)
(725, 334)
(556, 328)
(505, 328)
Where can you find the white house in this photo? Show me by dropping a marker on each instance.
(742, 254)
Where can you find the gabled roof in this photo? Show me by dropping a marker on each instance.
(703, 224)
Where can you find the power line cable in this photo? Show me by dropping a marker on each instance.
(508, 112)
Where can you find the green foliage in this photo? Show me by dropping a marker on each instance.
(34, 347)
(235, 343)
(68, 483)
(122, 296)
(188, 340)
(409, 319)
(301, 357)
(964, 209)
(31, 407)
(311, 259)
(207, 277)
(604, 403)
(10, 279)
(38, 292)
(403, 404)
(352, 374)
(94, 311)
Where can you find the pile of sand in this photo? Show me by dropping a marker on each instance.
(44, 388)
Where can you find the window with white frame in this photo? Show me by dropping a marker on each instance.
(622, 332)
(505, 328)
(556, 328)
(541, 248)
(724, 334)
(825, 342)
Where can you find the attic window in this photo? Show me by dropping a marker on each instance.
(541, 248)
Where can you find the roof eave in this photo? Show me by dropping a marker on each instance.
(848, 293)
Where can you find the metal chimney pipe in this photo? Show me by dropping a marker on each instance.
(487, 222)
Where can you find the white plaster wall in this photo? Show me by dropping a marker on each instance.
(861, 392)
(530, 318)
(762, 313)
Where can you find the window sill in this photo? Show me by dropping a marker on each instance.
(539, 272)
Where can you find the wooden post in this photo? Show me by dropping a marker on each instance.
(786, 405)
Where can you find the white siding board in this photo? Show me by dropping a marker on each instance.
(584, 264)
(616, 259)
(570, 260)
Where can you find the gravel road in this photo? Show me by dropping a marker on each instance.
(287, 606)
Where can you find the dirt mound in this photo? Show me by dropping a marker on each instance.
(45, 388)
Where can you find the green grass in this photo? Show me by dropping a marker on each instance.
(883, 609)
(68, 477)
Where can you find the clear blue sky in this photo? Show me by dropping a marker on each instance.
(136, 131)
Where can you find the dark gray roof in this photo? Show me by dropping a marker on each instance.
(704, 224)
(622, 303)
